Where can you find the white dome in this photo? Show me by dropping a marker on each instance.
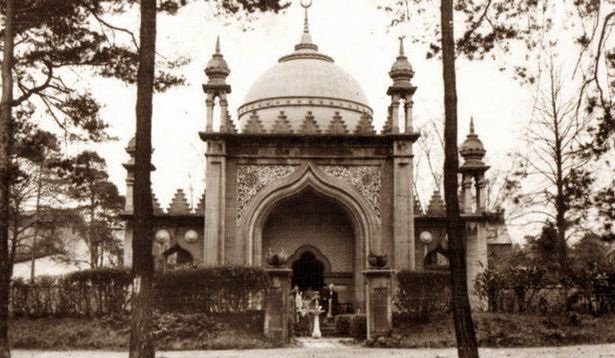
(306, 77)
(305, 84)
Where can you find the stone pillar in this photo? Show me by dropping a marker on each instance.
(481, 193)
(215, 203)
(395, 114)
(476, 258)
(408, 104)
(379, 301)
(276, 304)
(403, 206)
(209, 115)
(130, 182)
(467, 194)
(223, 112)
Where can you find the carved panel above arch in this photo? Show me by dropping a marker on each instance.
(367, 179)
(252, 178)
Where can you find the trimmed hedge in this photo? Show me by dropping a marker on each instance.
(104, 291)
(353, 325)
(93, 292)
(422, 293)
(211, 289)
(529, 289)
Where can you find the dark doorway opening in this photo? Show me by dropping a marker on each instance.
(308, 272)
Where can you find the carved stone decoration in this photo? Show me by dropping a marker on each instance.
(367, 179)
(179, 204)
(254, 125)
(230, 125)
(309, 125)
(337, 125)
(157, 209)
(252, 178)
(281, 125)
(365, 126)
(388, 124)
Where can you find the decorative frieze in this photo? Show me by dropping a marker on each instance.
(254, 125)
(367, 179)
(337, 125)
(282, 125)
(309, 125)
(252, 178)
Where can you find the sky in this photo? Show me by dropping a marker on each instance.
(354, 32)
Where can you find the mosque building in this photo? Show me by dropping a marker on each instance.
(303, 171)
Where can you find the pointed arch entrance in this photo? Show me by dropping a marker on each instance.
(308, 187)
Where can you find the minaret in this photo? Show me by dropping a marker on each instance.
(130, 176)
(217, 71)
(473, 167)
(401, 73)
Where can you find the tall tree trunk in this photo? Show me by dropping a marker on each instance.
(560, 200)
(37, 209)
(93, 246)
(462, 314)
(141, 343)
(6, 137)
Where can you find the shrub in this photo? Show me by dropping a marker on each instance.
(357, 327)
(96, 292)
(342, 324)
(211, 289)
(170, 327)
(422, 293)
(108, 291)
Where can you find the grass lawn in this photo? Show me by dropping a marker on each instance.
(504, 330)
(171, 332)
(195, 332)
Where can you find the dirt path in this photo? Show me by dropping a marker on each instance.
(332, 349)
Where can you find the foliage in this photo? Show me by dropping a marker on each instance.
(357, 327)
(211, 289)
(89, 185)
(342, 324)
(172, 332)
(588, 288)
(173, 326)
(422, 293)
(108, 291)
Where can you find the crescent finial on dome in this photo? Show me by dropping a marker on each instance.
(401, 45)
(306, 25)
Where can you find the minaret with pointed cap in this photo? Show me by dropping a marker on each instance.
(217, 71)
(472, 151)
(401, 73)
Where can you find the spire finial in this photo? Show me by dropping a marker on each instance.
(306, 5)
(218, 44)
(472, 125)
(401, 45)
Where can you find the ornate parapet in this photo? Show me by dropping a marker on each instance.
(366, 179)
(252, 178)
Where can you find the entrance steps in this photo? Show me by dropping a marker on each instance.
(325, 342)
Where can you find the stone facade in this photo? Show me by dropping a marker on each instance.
(307, 172)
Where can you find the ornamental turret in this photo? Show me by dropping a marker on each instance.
(472, 151)
(401, 90)
(217, 71)
(473, 173)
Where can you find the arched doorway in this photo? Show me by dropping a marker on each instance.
(310, 180)
(308, 272)
(317, 230)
